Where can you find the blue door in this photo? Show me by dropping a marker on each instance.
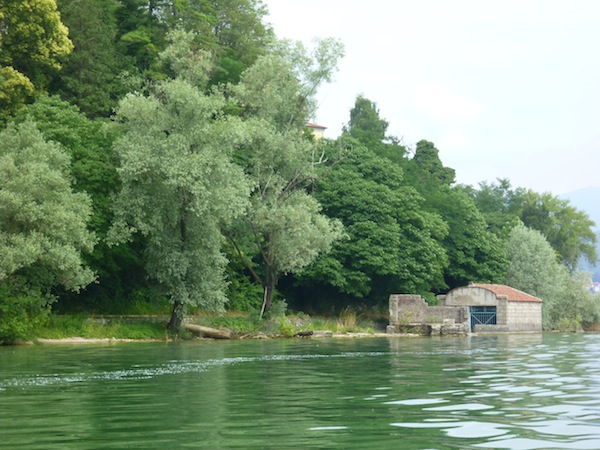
(484, 315)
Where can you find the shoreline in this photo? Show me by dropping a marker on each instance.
(82, 340)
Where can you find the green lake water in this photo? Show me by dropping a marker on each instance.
(514, 392)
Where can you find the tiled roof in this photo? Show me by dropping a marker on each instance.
(314, 125)
(512, 294)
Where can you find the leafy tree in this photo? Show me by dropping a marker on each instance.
(34, 40)
(365, 123)
(567, 229)
(392, 243)
(283, 222)
(42, 221)
(429, 168)
(370, 129)
(141, 34)
(475, 253)
(179, 188)
(93, 169)
(91, 75)
(498, 203)
(534, 268)
(234, 31)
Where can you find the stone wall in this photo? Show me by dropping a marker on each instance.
(524, 316)
(408, 310)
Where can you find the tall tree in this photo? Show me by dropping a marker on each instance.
(498, 203)
(474, 252)
(426, 162)
(141, 34)
(234, 31)
(283, 222)
(370, 129)
(365, 123)
(179, 188)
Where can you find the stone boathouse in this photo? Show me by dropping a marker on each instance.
(476, 308)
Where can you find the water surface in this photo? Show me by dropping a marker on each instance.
(514, 392)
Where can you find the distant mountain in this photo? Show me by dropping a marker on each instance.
(588, 200)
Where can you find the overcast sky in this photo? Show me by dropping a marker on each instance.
(505, 89)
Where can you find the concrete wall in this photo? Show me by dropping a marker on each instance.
(410, 309)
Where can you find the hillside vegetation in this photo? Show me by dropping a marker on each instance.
(156, 153)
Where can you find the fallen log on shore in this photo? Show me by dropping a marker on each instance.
(202, 331)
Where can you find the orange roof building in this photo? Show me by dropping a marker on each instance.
(497, 307)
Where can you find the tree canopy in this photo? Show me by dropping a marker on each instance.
(43, 222)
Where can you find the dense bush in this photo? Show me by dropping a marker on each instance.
(20, 314)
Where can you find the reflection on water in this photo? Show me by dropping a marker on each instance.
(513, 392)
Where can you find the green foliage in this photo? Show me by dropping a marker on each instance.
(90, 75)
(243, 294)
(179, 188)
(474, 253)
(430, 298)
(429, 167)
(534, 268)
(365, 124)
(42, 221)
(392, 243)
(93, 170)
(499, 205)
(22, 312)
(568, 230)
(16, 90)
(34, 40)
(283, 222)
(234, 31)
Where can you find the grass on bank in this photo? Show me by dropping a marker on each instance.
(241, 323)
(78, 325)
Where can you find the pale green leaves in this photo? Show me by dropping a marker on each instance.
(534, 268)
(42, 221)
(186, 60)
(297, 231)
(280, 87)
(179, 187)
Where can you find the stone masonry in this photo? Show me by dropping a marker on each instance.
(409, 312)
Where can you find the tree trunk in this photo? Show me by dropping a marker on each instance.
(176, 316)
(271, 281)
